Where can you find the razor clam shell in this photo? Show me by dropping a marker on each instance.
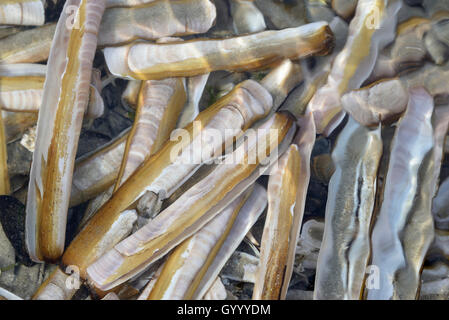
(217, 291)
(21, 89)
(22, 12)
(195, 88)
(377, 103)
(60, 119)
(188, 262)
(6, 31)
(4, 177)
(134, 254)
(5, 294)
(54, 287)
(175, 162)
(345, 248)
(156, 20)
(246, 17)
(283, 15)
(371, 29)
(158, 109)
(21, 86)
(282, 188)
(249, 214)
(27, 46)
(126, 3)
(98, 170)
(404, 227)
(190, 58)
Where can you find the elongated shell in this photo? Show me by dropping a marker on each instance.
(22, 12)
(66, 93)
(155, 61)
(282, 188)
(4, 177)
(189, 261)
(27, 46)
(404, 228)
(345, 247)
(191, 211)
(160, 103)
(125, 3)
(249, 214)
(370, 30)
(21, 87)
(156, 20)
(178, 159)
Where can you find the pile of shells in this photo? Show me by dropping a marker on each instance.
(224, 149)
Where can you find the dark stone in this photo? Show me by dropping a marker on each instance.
(12, 218)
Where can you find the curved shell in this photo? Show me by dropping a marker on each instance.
(66, 93)
(181, 59)
(22, 12)
(156, 20)
(27, 46)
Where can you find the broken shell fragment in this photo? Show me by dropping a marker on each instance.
(190, 58)
(345, 249)
(399, 248)
(65, 99)
(27, 46)
(55, 287)
(22, 12)
(193, 209)
(155, 20)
